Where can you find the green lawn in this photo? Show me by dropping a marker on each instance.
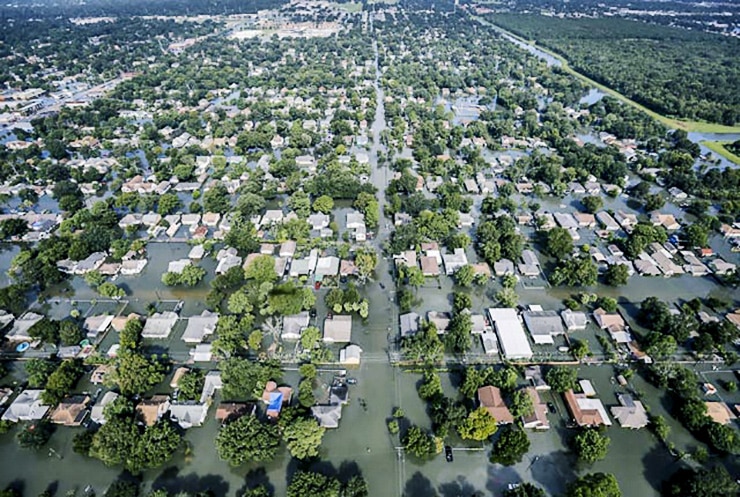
(719, 149)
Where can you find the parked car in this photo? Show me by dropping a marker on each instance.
(448, 453)
(351, 381)
(551, 406)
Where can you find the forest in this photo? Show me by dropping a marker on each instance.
(675, 72)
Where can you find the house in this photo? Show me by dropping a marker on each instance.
(230, 411)
(441, 320)
(97, 413)
(543, 326)
(203, 352)
(538, 419)
(27, 406)
(587, 388)
(586, 411)
(677, 193)
(630, 413)
(455, 261)
(407, 258)
(95, 325)
(294, 325)
(151, 410)
(307, 162)
(429, 266)
(503, 267)
(566, 220)
(410, 323)
(227, 262)
(98, 375)
(189, 414)
(479, 324)
(510, 333)
(720, 413)
(70, 411)
(355, 220)
(614, 324)
(668, 221)
(490, 343)
(199, 327)
(626, 220)
(276, 397)
(722, 267)
(350, 355)
(585, 220)
(19, 331)
(318, 221)
(287, 249)
(338, 329)
(197, 252)
(465, 220)
(490, 398)
(534, 375)
(326, 266)
(269, 218)
(574, 320)
(328, 416)
(159, 325)
(530, 258)
(178, 266)
(402, 218)
(607, 221)
(471, 186)
(431, 249)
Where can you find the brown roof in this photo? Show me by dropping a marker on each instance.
(71, 411)
(719, 412)
(150, 410)
(229, 411)
(538, 419)
(429, 266)
(119, 322)
(583, 417)
(98, 374)
(482, 268)
(490, 398)
(347, 268)
(607, 320)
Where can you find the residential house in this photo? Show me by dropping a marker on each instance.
(455, 261)
(199, 327)
(465, 220)
(510, 333)
(489, 341)
(151, 410)
(269, 218)
(409, 324)
(429, 266)
(431, 249)
(197, 252)
(720, 413)
(626, 220)
(203, 352)
(503, 267)
(178, 266)
(614, 324)
(293, 326)
(574, 320)
(28, 406)
(276, 397)
(318, 221)
(328, 415)
(407, 258)
(97, 412)
(722, 267)
(631, 413)
(70, 411)
(350, 355)
(189, 414)
(668, 221)
(585, 220)
(338, 329)
(538, 419)
(543, 326)
(159, 325)
(19, 331)
(441, 320)
(586, 411)
(95, 325)
(326, 266)
(490, 398)
(607, 221)
(287, 249)
(534, 375)
(231, 411)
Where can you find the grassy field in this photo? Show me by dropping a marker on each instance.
(719, 149)
(689, 126)
(349, 7)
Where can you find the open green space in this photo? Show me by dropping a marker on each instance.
(721, 149)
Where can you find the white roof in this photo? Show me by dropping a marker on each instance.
(26, 407)
(595, 405)
(587, 388)
(511, 335)
(200, 326)
(159, 325)
(490, 343)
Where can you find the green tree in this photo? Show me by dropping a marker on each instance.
(191, 385)
(255, 340)
(306, 397)
(122, 488)
(110, 290)
(590, 445)
(594, 485)
(510, 447)
(61, 382)
(723, 438)
(13, 227)
(45, 330)
(310, 337)
(479, 425)
(168, 203)
(464, 275)
(34, 435)
(592, 203)
(415, 276)
(461, 301)
(702, 482)
(243, 379)
(507, 297)
(654, 201)
(521, 404)
(192, 275)
(38, 371)
(616, 275)
(366, 261)
(70, 332)
(418, 442)
(134, 373)
(261, 270)
(323, 204)
(458, 336)
(578, 271)
(431, 386)
(247, 439)
(696, 235)
(579, 349)
(303, 437)
(559, 243)
(561, 379)
(310, 484)
(217, 199)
